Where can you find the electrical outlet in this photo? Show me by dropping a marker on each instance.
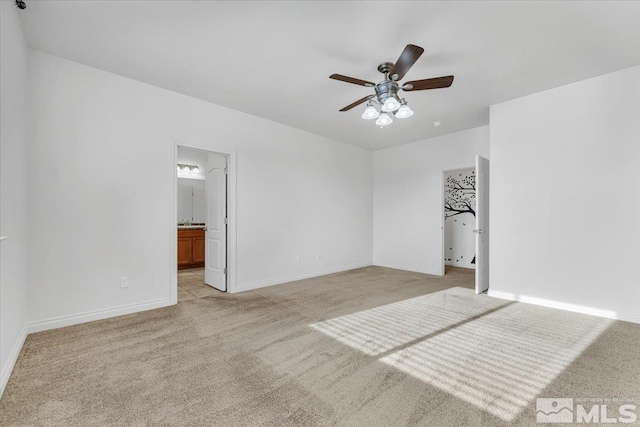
(124, 282)
(318, 257)
(298, 259)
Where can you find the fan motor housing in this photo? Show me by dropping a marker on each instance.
(385, 89)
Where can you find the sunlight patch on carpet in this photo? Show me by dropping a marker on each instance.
(493, 354)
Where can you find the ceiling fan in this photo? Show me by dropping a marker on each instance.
(387, 90)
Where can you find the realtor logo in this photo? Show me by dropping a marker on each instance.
(554, 410)
(586, 410)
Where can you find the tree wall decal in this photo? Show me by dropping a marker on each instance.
(460, 197)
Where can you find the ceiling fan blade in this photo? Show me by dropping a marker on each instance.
(434, 83)
(358, 102)
(351, 80)
(409, 56)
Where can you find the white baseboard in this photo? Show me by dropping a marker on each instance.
(608, 314)
(292, 278)
(7, 369)
(75, 319)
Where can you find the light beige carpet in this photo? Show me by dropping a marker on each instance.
(369, 347)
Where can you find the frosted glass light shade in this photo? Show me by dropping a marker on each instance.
(384, 120)
(370, 113)
(390, 104)
(404, 112)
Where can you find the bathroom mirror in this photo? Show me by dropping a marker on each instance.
(191, 200)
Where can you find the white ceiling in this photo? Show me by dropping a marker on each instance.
(273, 59)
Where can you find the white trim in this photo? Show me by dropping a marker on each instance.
(7, 369)
(89, 316)
(232, 163)
(173, 279)
(608, 314)
(443, 170)
(294, 277)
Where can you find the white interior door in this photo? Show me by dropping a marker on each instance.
(482, 224)
(216, 235)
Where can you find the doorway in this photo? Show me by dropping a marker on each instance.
(465, 227)
(459, 218)
(203, 221)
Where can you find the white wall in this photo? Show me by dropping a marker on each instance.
(13, 188)
(298, 193)
(459, 219)
(565, 174)
(408, 202)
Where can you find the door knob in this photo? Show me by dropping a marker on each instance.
(479, 231)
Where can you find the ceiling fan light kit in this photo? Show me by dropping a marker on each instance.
(370, 113)
(391, 105)
(404, 112)
(384, 120)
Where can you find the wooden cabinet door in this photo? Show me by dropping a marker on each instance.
(185, 251)
(198, 250)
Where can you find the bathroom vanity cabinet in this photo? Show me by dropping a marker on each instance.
(190, 248)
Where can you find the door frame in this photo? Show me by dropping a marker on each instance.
(444, 170)
(232, 272)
